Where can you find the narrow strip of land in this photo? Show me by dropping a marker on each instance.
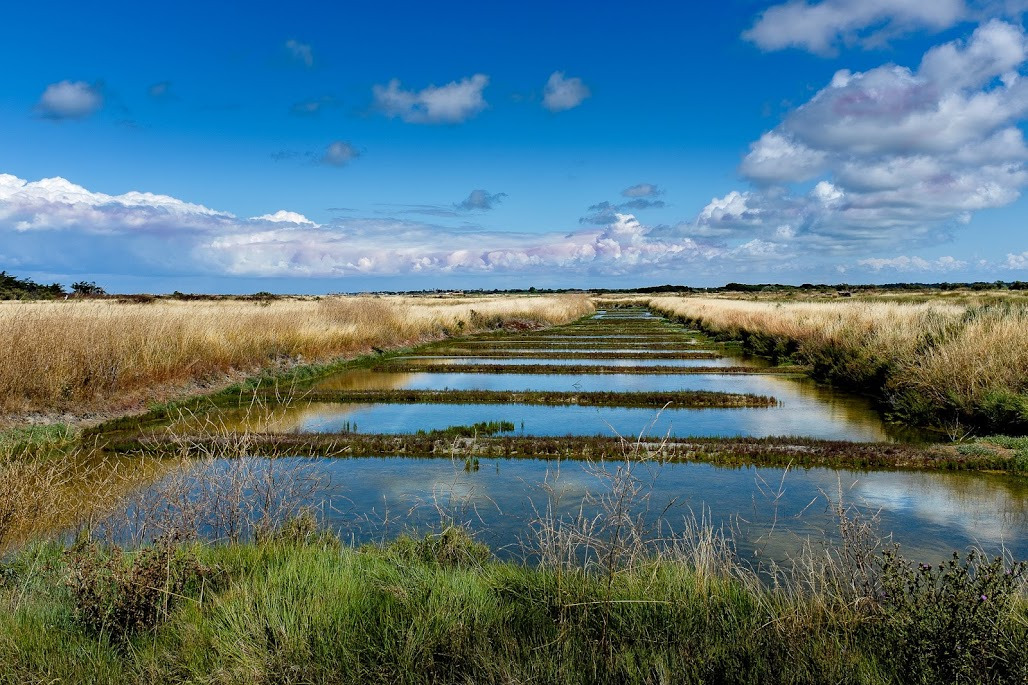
(772, 451)
(691, 399)
(550, 354)
(586, 369)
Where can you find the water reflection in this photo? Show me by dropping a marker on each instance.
(805, 408)
(522, 361)
(773, 513)
(831, 421)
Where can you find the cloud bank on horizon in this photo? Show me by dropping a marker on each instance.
(877, 165)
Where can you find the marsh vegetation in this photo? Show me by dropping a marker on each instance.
(613, 462)
(950, 365)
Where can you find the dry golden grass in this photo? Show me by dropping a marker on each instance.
(78, 355)
(938, 362)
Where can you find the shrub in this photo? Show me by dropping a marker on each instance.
(120, 595)
(453, 547)
(950, 623)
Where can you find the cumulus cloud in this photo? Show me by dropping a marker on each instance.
(283, 216)
(69, 100)
(1017, 261)
(340, 153)
(358, 248)
(820, 27)
(453, 103)
(479, 199)
(47, 221)
(56, 203)
(894, 154)
(301, 52)
(562, 93)
(913, 264)
(776, 159)
(726, 215)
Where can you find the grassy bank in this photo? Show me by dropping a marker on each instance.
(106, 355)
(578, 370)
(299, 607)
(947, 365)
(676, 399)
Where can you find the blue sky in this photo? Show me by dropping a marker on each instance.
(304, 148)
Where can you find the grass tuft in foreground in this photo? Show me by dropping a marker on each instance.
(298, 607)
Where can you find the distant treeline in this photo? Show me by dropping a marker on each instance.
(14, 288)
(738, 288)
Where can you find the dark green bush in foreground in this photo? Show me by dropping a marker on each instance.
(300, 607)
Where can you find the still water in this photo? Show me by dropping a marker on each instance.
(822, 420)
(770, 512)
(524, 361)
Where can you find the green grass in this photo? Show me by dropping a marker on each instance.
(1017, 445)
(37, 442)
(730, 452)
(301, 608)
(655, 400)
(586, 369)
(482, 428)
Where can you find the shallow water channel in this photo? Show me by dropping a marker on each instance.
(771, 511)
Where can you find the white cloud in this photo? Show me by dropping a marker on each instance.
(732, 210)
(55, 203)
(776, 158)
(896, 155)
(913, 264)
(301, 52)
(54, 221)
(820, 27)
(563, 93)
(453, 103)
(1017, 261)
(340, 153)
(285, 217)
(69, 100)
(759, 248)
(393, 247)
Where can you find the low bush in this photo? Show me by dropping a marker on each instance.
(119, 595)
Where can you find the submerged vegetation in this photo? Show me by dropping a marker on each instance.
(482, 428)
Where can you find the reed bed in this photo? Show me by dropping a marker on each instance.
(105, 354)
(949, 365)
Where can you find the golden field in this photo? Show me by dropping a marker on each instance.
(933, 362)
(90, 354)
